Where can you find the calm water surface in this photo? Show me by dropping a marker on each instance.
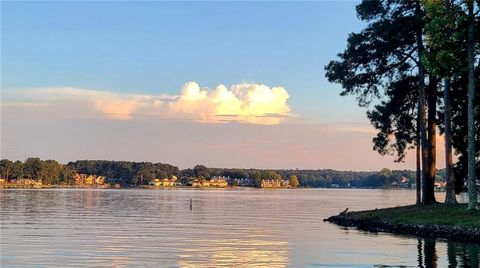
(225, 228)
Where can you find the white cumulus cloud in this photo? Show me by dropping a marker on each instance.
(248, 103)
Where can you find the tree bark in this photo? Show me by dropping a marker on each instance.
(418, 175)
(421, 96)
(450, 195)
(432, 141)
(472, 182)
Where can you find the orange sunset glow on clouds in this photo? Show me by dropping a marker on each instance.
(244, 103)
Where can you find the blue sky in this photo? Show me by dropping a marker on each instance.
(109, 67)
(153, 47)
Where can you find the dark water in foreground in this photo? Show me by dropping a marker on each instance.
(225, 228)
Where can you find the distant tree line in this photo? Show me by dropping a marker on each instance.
(49, 171)
(257, 176)
(313, 178)
(52, 172)
(358, 179)
(140, 173)
(125, 172)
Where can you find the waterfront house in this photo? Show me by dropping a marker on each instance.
(204, 183)
(404, 182)
(89, 180)
(248, 182)
(84, 179)
(274, 184)
(99, 180)
(195, 182)
(165, 182)
(27, 182)
(80, 179)
(219, 181)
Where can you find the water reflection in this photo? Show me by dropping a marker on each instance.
(226, 228)
(248, 252)
(458, 254)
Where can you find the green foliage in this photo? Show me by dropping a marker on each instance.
(32, 168)
(134, 173)
(380, 63)
(438, 214)
(18, 172)
(257, 178)
(446, 36)
(380, 54)
(271, 175)
(147, 173)
(386, 172)
(6, 168)
(394, 118)
(66, 175)
(294, 181)
(49, 171)
(127, 173)
(377, 65)
(315, 178)
(52, 172)
(446, 32)
(259, 175)
(201, 172)
(235, 173)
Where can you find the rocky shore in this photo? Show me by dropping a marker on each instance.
(384, 220)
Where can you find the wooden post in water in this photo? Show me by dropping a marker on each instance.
(191, 204)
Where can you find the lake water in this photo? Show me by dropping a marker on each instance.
(225, 228)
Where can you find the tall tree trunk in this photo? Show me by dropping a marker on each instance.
(421, 96)
(418, 156)
(418, 175)
(450, 195)
(432, 141)
(472, 182)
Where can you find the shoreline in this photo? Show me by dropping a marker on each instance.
(457, 223)
(138, 187)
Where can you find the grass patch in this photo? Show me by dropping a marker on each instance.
(437, 214)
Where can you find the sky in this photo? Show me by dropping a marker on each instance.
(223, 84)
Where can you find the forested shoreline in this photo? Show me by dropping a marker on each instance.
(141, 173)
